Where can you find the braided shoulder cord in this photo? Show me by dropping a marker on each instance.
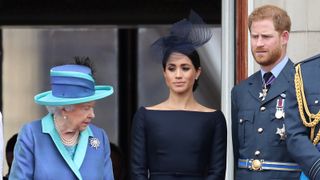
(313, 119)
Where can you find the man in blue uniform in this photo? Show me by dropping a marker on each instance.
(263, 104)
(307, 84)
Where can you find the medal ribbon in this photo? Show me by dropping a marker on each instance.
(268, 78)
(280, 103)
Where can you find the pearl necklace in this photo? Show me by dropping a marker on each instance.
(66, 141)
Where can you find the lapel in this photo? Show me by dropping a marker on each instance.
(74, 164)
(255, 85)
(82, 146)
(281, 83)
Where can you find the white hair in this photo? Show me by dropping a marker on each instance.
(57, 109)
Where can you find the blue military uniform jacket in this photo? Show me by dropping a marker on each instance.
(39, 154)
(257, 133)
(303, 151)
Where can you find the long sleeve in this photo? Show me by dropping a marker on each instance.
(234, 127)
(23, 162)
(108, 172)
(217, 166)
(138, 148)
(299, 145)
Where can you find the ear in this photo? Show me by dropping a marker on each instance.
(285, 37)
(198, 72)
(64, 112)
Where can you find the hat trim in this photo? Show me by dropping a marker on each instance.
(71, 74)
(46, 98)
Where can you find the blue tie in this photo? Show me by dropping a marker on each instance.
(268, 78)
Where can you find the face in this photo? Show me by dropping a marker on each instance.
(80, 115)
(180, 73)
(267, 45)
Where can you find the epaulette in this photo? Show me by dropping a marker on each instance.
(312, 58)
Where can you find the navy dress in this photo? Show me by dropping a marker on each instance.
(177, 144)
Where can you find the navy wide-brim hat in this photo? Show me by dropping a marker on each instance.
(72, 84)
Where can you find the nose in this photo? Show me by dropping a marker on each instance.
(260, 42)
(178, 73)
(91, 113)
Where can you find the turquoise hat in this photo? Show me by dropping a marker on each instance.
(72, 84)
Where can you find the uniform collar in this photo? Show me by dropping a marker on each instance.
(278, 68)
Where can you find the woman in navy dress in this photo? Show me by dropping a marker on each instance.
(179, 138)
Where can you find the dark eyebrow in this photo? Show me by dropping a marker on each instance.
(171, 64)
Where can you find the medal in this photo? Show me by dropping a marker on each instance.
(279, 109)
(282, 132)
(279, 114)
(263, 94)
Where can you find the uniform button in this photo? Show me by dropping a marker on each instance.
(316, 101)
(257, 153)
(262, 108)
(241, 121)
(260, 130)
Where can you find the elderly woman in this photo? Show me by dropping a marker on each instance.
(63, 144)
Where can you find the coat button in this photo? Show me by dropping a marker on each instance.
(257, 153)
(260, 130)
(316, 101)
(262, 108)
(241, 121)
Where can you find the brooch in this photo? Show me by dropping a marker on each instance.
(94, 142)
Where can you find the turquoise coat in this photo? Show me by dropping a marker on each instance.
(40, 154)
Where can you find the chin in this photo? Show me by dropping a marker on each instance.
(180, 91)
(82, 128)
(264, 61)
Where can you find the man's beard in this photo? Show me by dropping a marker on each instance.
(271, 57)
